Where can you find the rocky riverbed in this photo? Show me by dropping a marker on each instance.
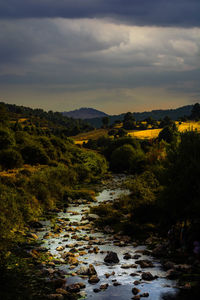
(98, 265)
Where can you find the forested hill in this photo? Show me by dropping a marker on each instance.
(85, 113)
(51, 121)
(173, 114)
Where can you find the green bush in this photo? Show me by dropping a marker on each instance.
(10, 159)
(34, 154)
(6, 138)
(127, 159)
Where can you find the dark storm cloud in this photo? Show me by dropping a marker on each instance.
(140, 12)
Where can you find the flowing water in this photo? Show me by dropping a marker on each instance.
(80, 236)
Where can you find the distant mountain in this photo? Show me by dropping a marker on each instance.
(174, 114)
(84, 113)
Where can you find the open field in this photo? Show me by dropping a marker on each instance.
(140, 134)
(144, 134)
(94, 135)
(189, 126)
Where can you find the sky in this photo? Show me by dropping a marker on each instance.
(112, 55)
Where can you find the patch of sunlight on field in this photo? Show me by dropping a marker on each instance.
(80, 142)
(188, 126)
(93, 135)
(145, 134)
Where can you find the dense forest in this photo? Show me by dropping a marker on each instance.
(41, 169)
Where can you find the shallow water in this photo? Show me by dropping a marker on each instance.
(105, 242)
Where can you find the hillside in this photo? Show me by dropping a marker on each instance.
(173, 114)
(84, 113)
(54, 122)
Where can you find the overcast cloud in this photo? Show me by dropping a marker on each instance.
(110, 55)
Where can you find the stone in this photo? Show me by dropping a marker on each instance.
(133, 274)
(73, 288)
(96, 249)
(127, 256)
(60, 248)
(128, 266)
(116, 283)
(93, 279)
(73, 261)
(82, 285)
(147, 276)
(145, 295)
(136, 282)
(135, 291)
(111, 257)
(104, 286)
(145, 263)
(87, 270)
(96, 290)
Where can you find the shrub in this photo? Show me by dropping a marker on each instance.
(34, 154)
(6, 138)
(10, 159)
(127, 159)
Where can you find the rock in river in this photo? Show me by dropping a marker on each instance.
(87, 270)
(93, 279)
(147, 276)
(111, 257)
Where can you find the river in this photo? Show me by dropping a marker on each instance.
(89, 245)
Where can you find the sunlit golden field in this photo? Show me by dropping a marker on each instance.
(145, 134)
(188, 126)
(140, 134)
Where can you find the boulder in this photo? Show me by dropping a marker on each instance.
(87, 270)
(147, 276)
(104, 286)
(111, 258)
(73, 288)
(93, 279)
